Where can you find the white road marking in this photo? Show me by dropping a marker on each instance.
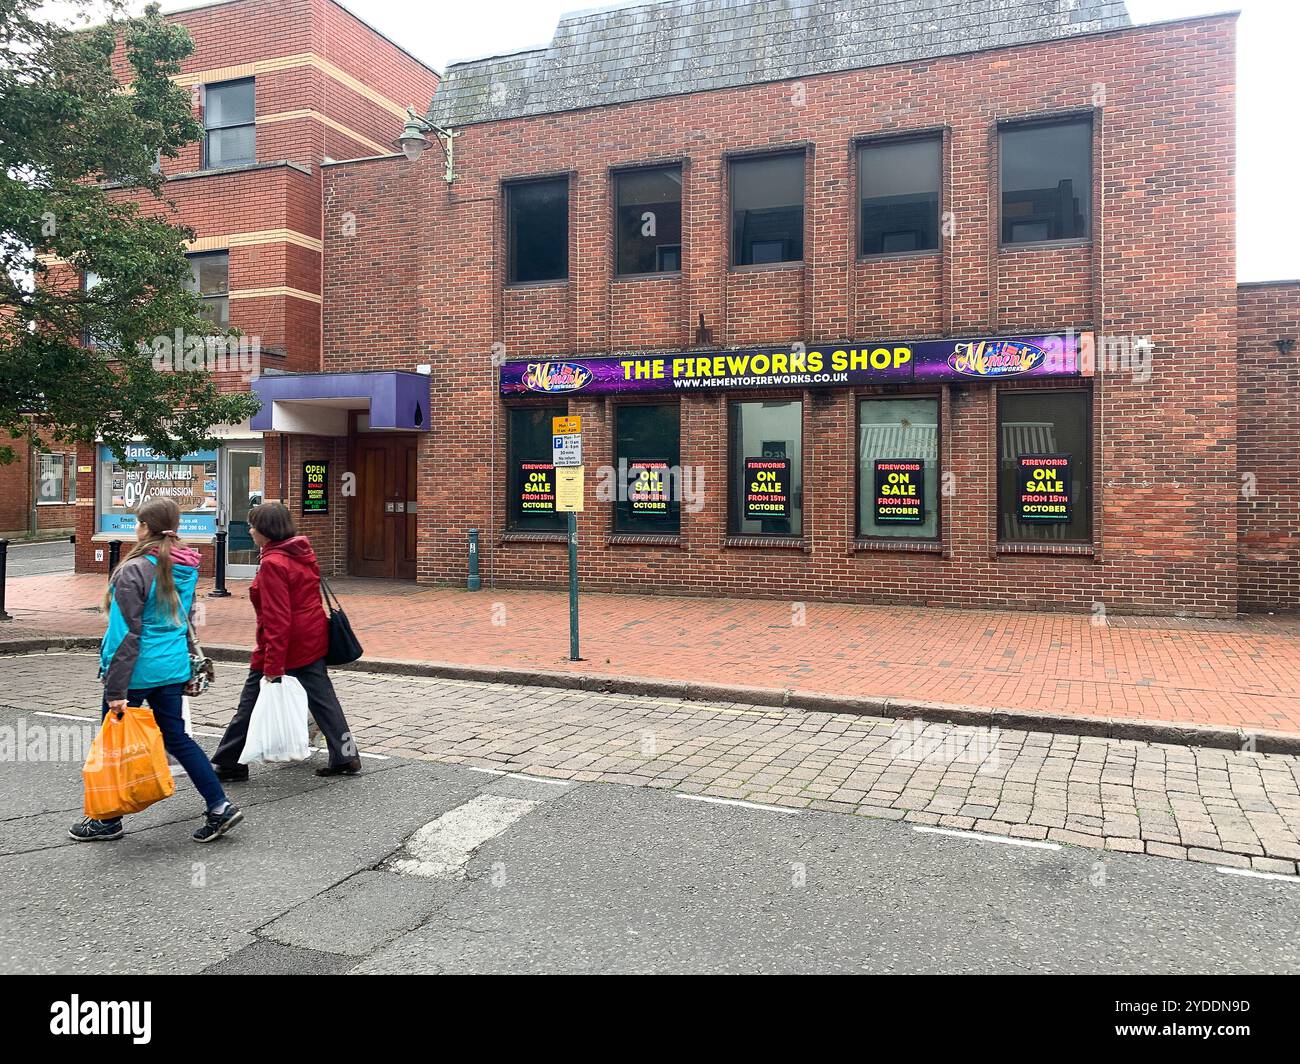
(442, 848)
(61, 716)
(737, 801)
(1293, 880)
(538, 779)
(1032, 844)
(489, 771)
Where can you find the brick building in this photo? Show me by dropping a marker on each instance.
(905, 303)
(281, 86)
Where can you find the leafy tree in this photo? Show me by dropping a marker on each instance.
(71, 143)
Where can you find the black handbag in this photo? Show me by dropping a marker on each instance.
(344, 645)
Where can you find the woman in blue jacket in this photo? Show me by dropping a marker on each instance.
(145, 657)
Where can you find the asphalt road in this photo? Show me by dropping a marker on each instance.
(523, 875)
(37, 559)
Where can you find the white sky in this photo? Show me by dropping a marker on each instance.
(1268, 156)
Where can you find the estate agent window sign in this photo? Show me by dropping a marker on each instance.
(315, 488)
(1044, 487)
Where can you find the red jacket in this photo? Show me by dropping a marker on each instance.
(292, 627)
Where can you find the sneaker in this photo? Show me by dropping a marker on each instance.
(217, 824)
(231, 773)
(348, 768)
(92, 830)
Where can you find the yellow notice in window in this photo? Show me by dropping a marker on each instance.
(569, 489)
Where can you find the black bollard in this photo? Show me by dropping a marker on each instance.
(219, 544)
(4, 567)
(114, 553)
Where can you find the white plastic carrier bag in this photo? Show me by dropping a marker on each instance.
(278, 729)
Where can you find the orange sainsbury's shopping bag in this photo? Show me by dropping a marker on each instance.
(127, 768)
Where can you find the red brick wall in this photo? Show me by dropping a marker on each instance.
(1160, 264)
(1268, 446)
(17, 487)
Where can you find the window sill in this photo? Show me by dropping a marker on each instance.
(1084, 550)
(55, 502)
(534, 537)
(525, 286)
(766, 542)
(907, 546)
(1046, 245)
(653, 275)
(192, 539)
(643, 539)
(767, 267)
(926, 253)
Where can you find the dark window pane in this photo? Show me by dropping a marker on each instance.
(1045, 425)
(231, 147)
(899, 188)
(228, 104)
(648, 220)
(766, 468)
(531, 476)
(1046, 181)
(538, 220)
(648, 460)
(767, 210)
(898, 432)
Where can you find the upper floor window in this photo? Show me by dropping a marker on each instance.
(648, 220)
(1046, 181)
(90, 280)
(898, 195)
(537, 225)
(228, 119)
(767, 209)
(210, 278)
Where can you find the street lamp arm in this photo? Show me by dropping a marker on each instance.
(413, 141)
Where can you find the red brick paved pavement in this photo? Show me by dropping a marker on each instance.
(1242, 674)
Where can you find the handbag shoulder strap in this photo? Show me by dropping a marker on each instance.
(194, 635)
(331, 599)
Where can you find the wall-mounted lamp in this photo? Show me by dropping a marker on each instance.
(413, 141)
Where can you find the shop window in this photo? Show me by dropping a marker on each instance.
(767, 209)
(766, 447)
(898, 196)
(49, 479)
(1044, 467)
(531, 474)
(210, 279)
(1046, 181)
(647, 457)
(537, 220)
(898, 468)
(648, 220)
(230, 132)
(191, 480)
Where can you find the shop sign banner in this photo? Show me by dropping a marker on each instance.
(538, 491)
(315, 488)
(1044, 482)
(900, 491)
(843, 365)
(648, 494)
(767, 489)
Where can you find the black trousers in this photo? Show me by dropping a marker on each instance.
(322, 703)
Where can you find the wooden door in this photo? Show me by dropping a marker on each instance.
(383, 533)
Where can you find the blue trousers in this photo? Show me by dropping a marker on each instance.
(166, 705)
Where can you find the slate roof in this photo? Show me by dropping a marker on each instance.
(670, 47)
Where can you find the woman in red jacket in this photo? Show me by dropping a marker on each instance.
(292, 637)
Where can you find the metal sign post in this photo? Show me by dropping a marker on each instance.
(566, 449)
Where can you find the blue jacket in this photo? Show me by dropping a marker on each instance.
(144, 645)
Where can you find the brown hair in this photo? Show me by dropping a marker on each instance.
(273, 520)
(162, 517)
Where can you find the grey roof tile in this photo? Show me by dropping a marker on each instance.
(669, 47)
